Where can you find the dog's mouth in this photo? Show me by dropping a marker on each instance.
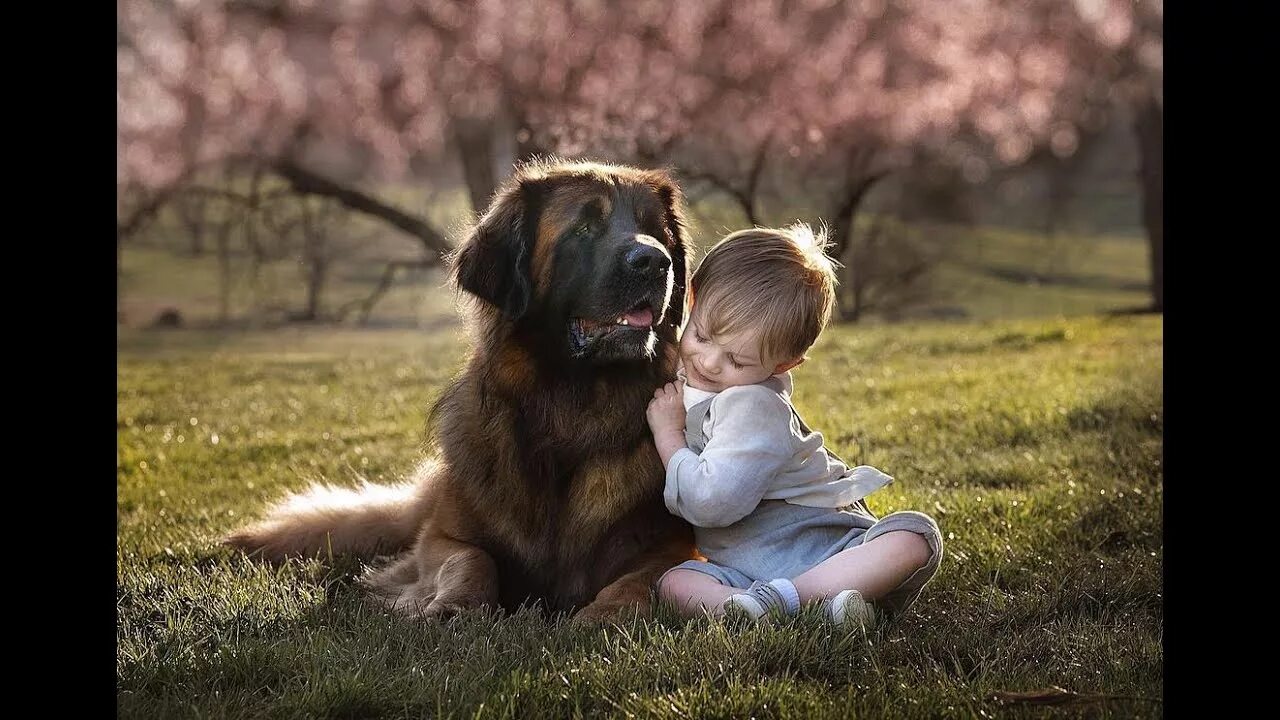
(637, 321)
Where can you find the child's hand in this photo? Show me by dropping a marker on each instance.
(666, 410)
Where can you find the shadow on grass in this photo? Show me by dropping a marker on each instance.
(1071, 280)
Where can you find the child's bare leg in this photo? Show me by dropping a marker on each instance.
(691, 591)
(874, 568)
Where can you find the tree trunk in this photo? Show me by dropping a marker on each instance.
(223, 242)
(194, 211)
(257, 253)
(126, 226)
(315, 288)
(1149, 127)
(224, 275)
(847, 297)
(197, 240)
(313, 239)
(119, 277)
(475, 148)
(527, 147)
(746, 200)
(842, 248)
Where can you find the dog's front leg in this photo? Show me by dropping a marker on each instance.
(633, 591)
(466, 578)
(440, 577)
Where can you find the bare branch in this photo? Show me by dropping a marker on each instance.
(366, 304)
(744, 201)
(306, 181)
(140, 215)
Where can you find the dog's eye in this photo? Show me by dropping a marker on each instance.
(585, 228)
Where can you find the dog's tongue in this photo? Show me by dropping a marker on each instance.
(642, 317)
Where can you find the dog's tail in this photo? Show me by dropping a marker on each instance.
(331, 521)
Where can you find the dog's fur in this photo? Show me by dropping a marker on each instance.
(547, 487)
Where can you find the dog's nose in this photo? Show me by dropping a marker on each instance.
(648, 259)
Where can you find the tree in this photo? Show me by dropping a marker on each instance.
(830, 98)
(823, 97)
(1131, 37)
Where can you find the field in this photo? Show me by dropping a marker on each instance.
(1030, 425)
(1036, 444)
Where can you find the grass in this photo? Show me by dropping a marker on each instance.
(998, 273)
(1035, 442)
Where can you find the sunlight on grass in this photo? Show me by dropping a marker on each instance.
(1036, 444)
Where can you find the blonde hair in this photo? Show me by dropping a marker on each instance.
(779, 280)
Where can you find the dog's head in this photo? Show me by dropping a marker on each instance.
(581, 261)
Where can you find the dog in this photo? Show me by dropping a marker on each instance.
(546, 487)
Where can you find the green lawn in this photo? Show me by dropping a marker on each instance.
(1036, 444)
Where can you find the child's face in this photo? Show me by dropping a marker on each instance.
(726, 361)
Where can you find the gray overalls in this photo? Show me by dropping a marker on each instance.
(782, 540)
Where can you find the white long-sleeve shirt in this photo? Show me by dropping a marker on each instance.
(756, 451)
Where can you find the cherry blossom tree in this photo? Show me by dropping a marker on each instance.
(1129, 36)
(822, 97)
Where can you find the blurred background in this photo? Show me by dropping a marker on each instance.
(296, 163)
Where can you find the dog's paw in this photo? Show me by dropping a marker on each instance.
(600, 613)
(442, 611)
(427, 606)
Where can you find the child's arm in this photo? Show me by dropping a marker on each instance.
(750, 445)
(666, 416)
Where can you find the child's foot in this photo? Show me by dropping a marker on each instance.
(849, 608)
(777, 596)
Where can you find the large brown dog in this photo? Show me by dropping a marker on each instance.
(547, 487)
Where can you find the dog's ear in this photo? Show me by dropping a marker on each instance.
(673, 201)
(493, 263)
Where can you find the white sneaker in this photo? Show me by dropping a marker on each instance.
(757, 602)
(848, 608)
